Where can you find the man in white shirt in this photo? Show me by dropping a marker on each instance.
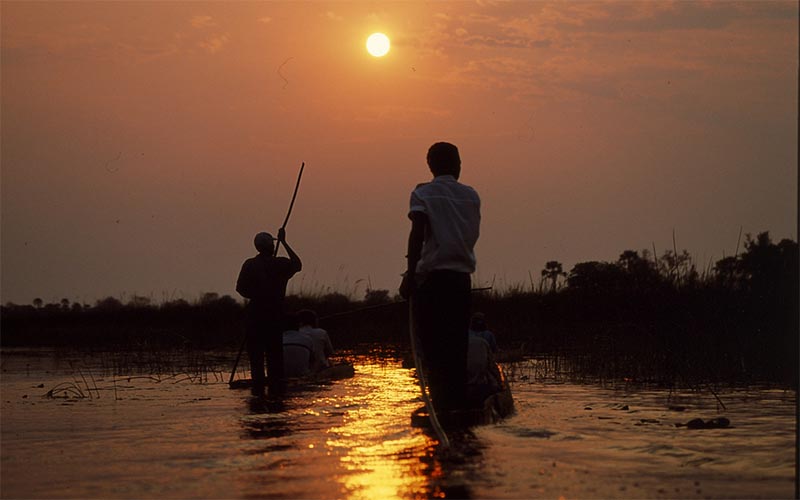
(445, 224)
(298, 352)
(322, 342)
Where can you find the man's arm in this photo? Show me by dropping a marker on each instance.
(297, 265)
(328, 345)
(243, 282)
(416, 238)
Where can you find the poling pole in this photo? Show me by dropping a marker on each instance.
(291, 205)
(275, 252)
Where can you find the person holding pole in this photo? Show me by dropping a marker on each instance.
(263, 280)
(445, 224)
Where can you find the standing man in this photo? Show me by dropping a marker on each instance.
(263, 280)
(445, 222)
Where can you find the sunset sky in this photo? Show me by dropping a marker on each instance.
(145, 143)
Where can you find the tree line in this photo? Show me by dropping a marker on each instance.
(737, 317)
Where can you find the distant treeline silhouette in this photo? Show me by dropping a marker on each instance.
(643, 317)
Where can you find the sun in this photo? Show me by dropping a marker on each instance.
(378, 44)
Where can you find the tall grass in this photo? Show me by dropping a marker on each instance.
(644, 317)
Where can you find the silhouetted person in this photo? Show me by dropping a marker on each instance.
(483, 376)
(307, 319)
(445, 222)
(478, 328)
(263, 280)
(298, 350)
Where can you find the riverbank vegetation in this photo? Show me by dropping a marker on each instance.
(645, 317)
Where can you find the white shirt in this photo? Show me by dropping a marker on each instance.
(478, 360)
(322, 345)
(454, 218)
(298, 350)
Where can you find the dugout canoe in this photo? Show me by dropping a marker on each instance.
(493, 408)
(338, 371)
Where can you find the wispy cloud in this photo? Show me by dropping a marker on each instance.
(650, 17)
(605, 50)
(215, 43)
(91, 43)
(201, 22)
(265, 20)
(502, 41)
(333, 16)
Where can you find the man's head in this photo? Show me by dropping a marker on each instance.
(443, 159)
(265, 243)
(291, 322)
(478, 322)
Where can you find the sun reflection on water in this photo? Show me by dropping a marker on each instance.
(380, 457)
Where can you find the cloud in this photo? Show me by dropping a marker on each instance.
(88, 43)
(570, 25)
(503, 41)
(496, 72)
(215, 43)
(201, 22)
(265, 20)
(480, 30)
(333, 16)
(653, 17)
(567, 49)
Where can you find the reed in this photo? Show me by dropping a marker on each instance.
(645, 317)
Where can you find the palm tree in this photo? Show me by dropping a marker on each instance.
(552, 270)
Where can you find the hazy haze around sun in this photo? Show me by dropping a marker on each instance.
(378, 44)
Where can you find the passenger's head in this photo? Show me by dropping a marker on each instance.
(265, 243)
(290, 322)
(478, 322)
(443, 159)
(307, 317)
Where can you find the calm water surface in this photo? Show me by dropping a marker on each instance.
(180, 435)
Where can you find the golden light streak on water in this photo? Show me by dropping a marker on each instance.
(382, 459)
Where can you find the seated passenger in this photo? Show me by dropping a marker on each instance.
(480, 363)
(322, 342)
(483, 376)
(298, 351)
(477, 327)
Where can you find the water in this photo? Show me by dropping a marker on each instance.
(187, 436)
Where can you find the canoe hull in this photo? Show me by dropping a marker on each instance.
(338, 371)
(495, 407)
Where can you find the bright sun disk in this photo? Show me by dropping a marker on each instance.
(378, 44)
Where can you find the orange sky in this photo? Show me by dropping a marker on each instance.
(145, 143)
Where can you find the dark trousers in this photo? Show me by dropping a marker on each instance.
(441, 313)
(265, 337)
